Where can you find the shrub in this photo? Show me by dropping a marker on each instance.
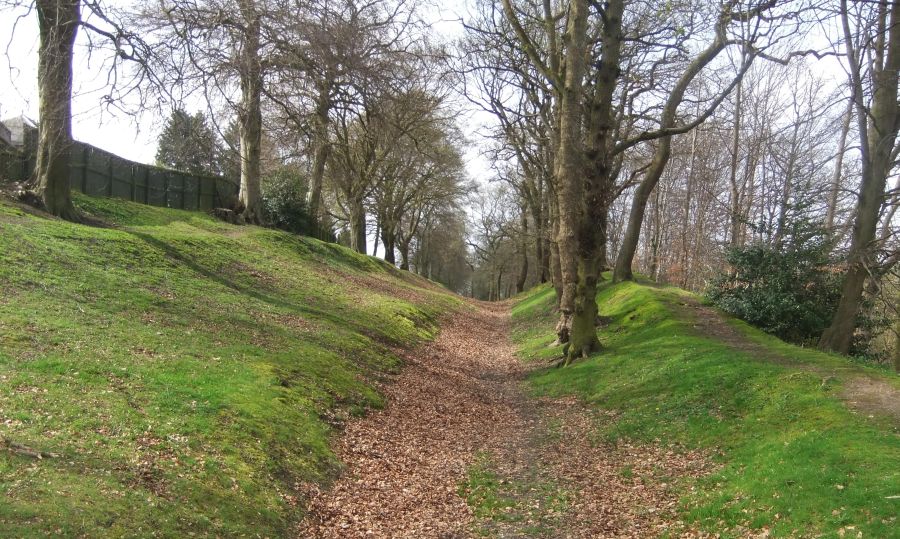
(789, 289)
(284, 200)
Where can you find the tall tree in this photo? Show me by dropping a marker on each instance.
(188, 143)
(877, 124)
(58, 21)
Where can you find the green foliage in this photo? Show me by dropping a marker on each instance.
(284, 200)
(792, 457)
(189, 144)
(188, 372)
(789, 290)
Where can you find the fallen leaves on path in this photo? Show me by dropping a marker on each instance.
(461, 396)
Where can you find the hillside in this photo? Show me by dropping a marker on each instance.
(165, 374)
(802, 443)
(180, 375)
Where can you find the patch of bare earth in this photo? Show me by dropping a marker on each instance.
(862, 392)
(460, 398)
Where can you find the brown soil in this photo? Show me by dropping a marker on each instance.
(861, 391)
(460, 401)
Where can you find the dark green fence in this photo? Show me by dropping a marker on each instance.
(96, 172)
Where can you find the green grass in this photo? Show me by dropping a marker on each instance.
(530, 505)
(188, 372)
(792, 457)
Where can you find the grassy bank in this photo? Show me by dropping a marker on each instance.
(794, 459)
(186, 373)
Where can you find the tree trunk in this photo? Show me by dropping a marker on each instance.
(736, 220)
(570, 191)
(656, 238)
(357, 226)
(624, 261)
(838, 168)
(320, 157)
(689, 193)
(404, 255)
(553, 252)
(523, 252)
(250, 115)
(375, 241)
(389, 241)
(58, 21)
(878, 133)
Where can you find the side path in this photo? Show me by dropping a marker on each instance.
(460, 405)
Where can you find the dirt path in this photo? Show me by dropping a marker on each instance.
(459, 406)
(861, 391)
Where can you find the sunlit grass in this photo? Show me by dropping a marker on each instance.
(187, 371)
(793, 458)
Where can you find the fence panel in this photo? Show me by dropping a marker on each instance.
(96, 172)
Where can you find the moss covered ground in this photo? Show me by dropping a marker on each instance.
(188, 374)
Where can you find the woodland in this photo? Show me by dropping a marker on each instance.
(655, 240)
(741, 149)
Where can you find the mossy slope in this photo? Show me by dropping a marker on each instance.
(187, 372)
(794, 459)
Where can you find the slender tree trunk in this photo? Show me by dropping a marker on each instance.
(357, 225)
(625, 259)
(58, 21)
(627, 250)
(523, 252)
(656, 238)
(835, 191)
(878, 129)
(375, 241)
(688, 195)
(781, 224)
(736, 218)
(250, 114)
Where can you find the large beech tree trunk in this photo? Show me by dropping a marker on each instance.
(878, 132)
(574, 306)
(320, 157)
(250, 115)
(58, 21)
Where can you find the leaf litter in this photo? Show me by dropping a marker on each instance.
(460, 401)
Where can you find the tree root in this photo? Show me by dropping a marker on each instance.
(24, 450)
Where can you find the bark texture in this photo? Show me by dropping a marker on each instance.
(58, 21)
(250, 115)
